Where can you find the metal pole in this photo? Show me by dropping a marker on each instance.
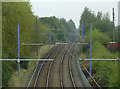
(18, 53)
(37, 33)
(26, 59)
(57, 32)
(91, 51)
(65, 36)
(70, 37)
(113, 26)
(50, 34)
(100, 59)
(81, 36)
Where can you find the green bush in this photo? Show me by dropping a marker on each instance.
(103, 71)
(6, 73)
(112, 49)
(99, 51)
(97, 36)
(24, 64)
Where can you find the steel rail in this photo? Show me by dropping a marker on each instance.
(34, 70)
(61, 67)
(36, 80)
(61, 71)
(49, 70)
(70, 68)
(35, 83)
(87, 71)
(32, 76)
(91, 76)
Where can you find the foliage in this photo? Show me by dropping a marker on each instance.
(98, 44)
(12, 13)
(99, 51)
(24, 64)
(72, 34)
(100, 21)
(112, 49)
(6, 73)
(87, 17)
(113, 79)
(105, 72)
(103, 69)
(97, 36)
(66, 29)
(53, 22)
(17, 14)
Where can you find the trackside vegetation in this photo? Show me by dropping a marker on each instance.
(104, 72)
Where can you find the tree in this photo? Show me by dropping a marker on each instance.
(100, 21)
(87, 17)
(14, 12)
(98, 36)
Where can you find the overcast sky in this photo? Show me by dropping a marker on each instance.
(72, 9)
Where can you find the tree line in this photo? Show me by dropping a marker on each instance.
(14, 12)
(100, 21)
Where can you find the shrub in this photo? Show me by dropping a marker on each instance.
(24, 64)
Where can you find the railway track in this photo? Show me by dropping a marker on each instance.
(34, 79)
(61, 68)
(60, 72)
(70, 68)
(64, 83)
(49, 71)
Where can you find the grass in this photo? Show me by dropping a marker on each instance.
(25, 74)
